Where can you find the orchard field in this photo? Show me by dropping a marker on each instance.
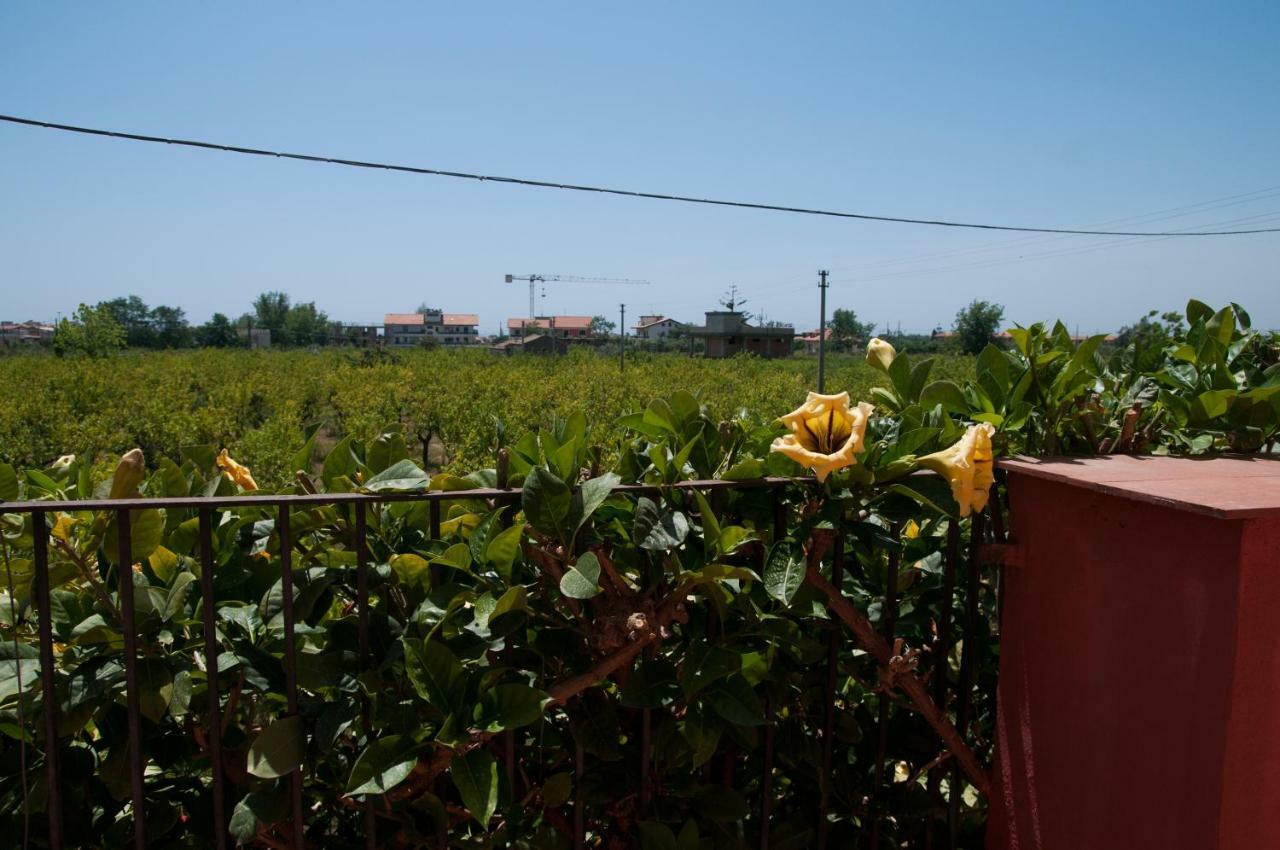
(263, 405)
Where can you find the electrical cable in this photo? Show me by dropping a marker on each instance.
(657, 196)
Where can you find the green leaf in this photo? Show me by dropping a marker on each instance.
(254, 808)
(723, 805)
(656, 836)
(556, 790)
(546, 501)
(945, 393)
(277, 751)
(401, 475)
(382, 766)
(735, 701)
(510, 707)
(8, 483)
(581, 581)
(658, 530)
(590, 496)
(412, 570)
(435, 672)
(146, 530)
(475, 775)
(784, 571)
(502, 549)
(457, 556)
(745, 470)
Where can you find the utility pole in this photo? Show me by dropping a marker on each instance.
(822, 331)
(622, 337)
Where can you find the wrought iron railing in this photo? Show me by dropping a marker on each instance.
(964, 598)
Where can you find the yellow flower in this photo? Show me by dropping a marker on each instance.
(128, 475)
(911, 530)
(969, 466)
(880, 354)
(825, 433)
(237, 473)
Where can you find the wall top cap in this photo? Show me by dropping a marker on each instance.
(1227, 487)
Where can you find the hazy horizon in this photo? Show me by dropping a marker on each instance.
(1146, 116)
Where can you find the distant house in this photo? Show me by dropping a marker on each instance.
(657, 327)
(572, 328)
(727, 333)
(25, 333)
(530, 344)
(404, 330)
(811, 339)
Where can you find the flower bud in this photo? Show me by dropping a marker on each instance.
(128, 475)
(880, 354)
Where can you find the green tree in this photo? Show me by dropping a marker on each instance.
(600, 326)
(305, 325)
(846, 329)
(975, 324)
(270, 310)
(91, 331)
(132, 314)
(169, 327)
(218, 332)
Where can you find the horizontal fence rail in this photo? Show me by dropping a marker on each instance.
(923, 809)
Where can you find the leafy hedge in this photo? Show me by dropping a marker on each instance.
(580, 624)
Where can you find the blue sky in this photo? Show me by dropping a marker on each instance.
(1045, 114)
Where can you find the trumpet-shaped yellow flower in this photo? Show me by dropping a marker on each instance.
(825, 433)
(969, 466)
(128, 475)
(236, 472)
(880, 354)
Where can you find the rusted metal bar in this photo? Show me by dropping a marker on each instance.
(209, 614)
(646, 743)
(766, 775)
(306, 500)
(829, 694)
(48, 679)
(133, 709)
(290, 665)
(433, 521)
(941, 655)
(889, 622)
(579, 803)
(968, 658)
(362, 640)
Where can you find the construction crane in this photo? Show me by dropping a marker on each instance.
(535, 279)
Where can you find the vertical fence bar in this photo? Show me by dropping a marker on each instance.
(124, 572)
(579, 802)
(211, 672)
(40, 553)
(942, 647)
(968, 659)
(362, 639)
(766, 776)
(290, 664)
(829, 695)
(889, 625)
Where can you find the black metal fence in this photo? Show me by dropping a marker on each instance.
(963, 602)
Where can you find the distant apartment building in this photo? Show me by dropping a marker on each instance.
(411, 330)
(657, 327)
(570, 328)
(727, 333)
(25, 333)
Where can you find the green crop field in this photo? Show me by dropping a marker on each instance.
(262, 404)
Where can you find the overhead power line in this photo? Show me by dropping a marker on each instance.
(657, 196)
